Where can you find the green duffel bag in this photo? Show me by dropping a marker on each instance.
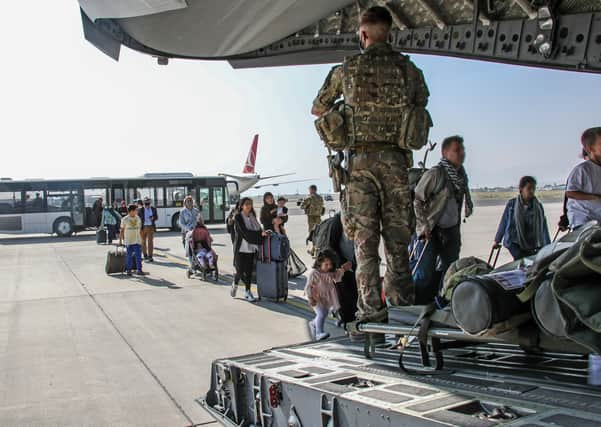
(461, 270)
(568, 305)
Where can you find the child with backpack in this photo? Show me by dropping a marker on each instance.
(321, 291)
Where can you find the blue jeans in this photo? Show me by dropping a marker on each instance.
(133, 251)
(442, 250)
(111, 230)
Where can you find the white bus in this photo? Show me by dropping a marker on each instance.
(66, 206)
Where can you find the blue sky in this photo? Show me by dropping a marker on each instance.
(70, 111)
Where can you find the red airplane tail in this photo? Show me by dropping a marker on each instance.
(249, 166)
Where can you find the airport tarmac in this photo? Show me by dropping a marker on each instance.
(79, 347)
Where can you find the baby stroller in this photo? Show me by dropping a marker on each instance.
(198, 266)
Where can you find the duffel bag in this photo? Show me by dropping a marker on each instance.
(481, 302)
(548, 313)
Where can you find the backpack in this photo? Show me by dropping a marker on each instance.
(326, 235)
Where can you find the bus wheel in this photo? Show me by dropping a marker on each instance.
(175, 222)
(63, 226)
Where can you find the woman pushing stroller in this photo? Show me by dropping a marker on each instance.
(199, 248)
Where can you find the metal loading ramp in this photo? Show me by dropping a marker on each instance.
(332, 384)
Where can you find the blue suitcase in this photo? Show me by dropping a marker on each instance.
(272, 280)
(272, 274)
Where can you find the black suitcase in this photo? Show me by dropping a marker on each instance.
(101, 236)
(272, 280)
(115, 260)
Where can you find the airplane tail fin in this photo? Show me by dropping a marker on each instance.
(249, 166)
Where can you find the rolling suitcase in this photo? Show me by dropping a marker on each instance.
(272, 275)
(115, 260)
(101, 236)
(272, 280)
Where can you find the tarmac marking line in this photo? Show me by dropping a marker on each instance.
(125, 340)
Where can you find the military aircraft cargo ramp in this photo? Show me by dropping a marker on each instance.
(333, 384)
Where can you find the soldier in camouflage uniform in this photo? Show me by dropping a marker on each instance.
(378, 87)
(313, 207)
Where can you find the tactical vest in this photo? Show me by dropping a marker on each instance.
(374, 87)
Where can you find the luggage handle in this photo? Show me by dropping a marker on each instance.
(268, 250)
(492, 251)
(421, 256)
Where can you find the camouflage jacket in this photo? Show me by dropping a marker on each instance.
(337, 84)
(313, 205)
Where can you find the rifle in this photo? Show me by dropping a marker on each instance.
(431, 146)
(337, 171)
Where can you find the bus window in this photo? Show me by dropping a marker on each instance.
(175, 196)
(203, 201)
(233, 194)
(10, 202)
(142, 193)
(34, 201)
(58, 201)
(160, 197)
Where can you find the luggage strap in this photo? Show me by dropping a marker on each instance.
(424, 322)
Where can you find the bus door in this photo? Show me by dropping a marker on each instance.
(77, 208)
(117, 193)
(93, 198)
(204, 203)
(218, 204)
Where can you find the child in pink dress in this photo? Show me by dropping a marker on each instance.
(321, 292)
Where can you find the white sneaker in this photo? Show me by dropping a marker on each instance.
(322, 336)
(234, 290)
(248, 296)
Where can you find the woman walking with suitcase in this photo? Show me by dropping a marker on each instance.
(248, 237)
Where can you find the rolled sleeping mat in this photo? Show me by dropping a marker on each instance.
(478, 303)
(547, 312)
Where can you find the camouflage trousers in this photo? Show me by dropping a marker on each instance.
(377, 201)
(312, 221)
